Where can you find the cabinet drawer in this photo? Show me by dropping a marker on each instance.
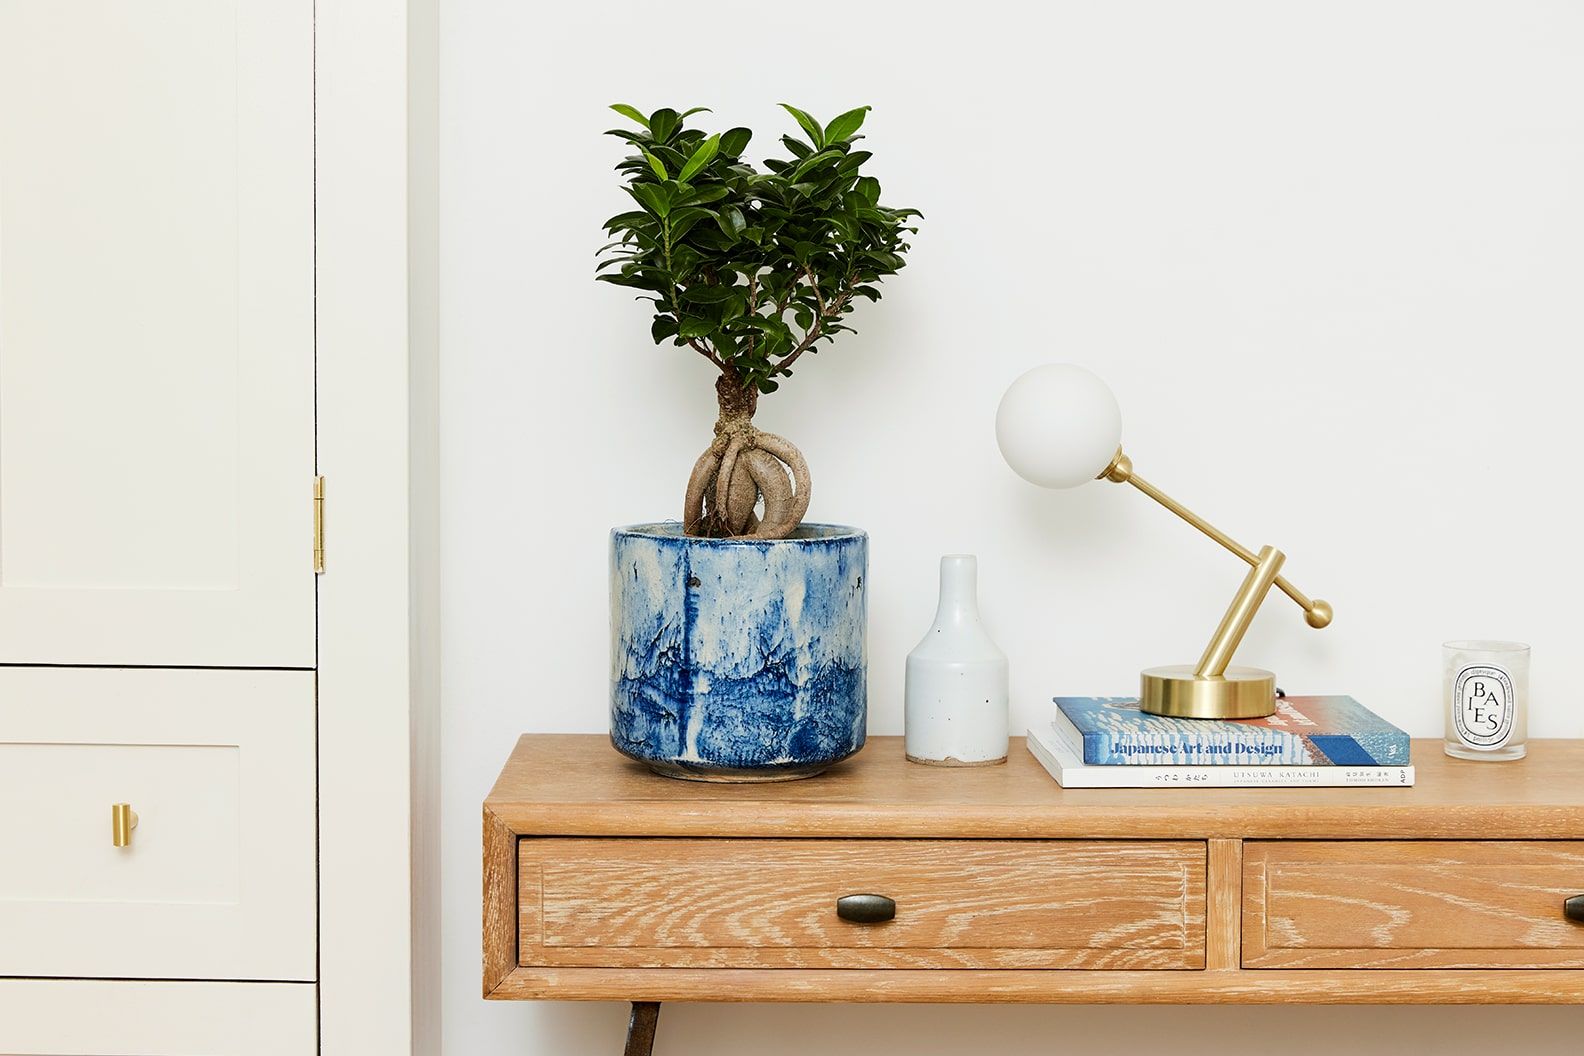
(772, 903)
(217, 881)
(57, 1017)
(1418, 904)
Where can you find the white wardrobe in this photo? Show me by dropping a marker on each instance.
(216, 684)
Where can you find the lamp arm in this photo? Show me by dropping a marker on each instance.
(1316, 612)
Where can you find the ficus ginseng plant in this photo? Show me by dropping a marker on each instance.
(751, 270)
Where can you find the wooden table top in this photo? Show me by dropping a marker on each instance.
(578, 785)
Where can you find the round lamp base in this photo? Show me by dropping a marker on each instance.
(1241, 693)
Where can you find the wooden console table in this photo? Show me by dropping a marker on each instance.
(604, 882)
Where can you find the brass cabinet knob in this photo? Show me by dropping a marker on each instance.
(866, 909)
(1573, 908)
(123, 819)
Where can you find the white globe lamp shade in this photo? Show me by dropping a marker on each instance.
(1058, 426)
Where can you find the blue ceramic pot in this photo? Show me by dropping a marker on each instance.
(738, 659)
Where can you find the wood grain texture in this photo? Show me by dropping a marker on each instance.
(1424, 904)
(772, 903)
(577, 785)
(1223, 916)
(989, 986)
(500, 901)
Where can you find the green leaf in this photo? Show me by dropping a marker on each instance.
(653, 197)
(696, 327)
(810, 126)
(637, 282)
(631, 112)
(701, 157)
(850, 163)
(656, 166)
(845, 125)
(731, 221)
(663, 327)
(627, 220)
(682, 221)
(662, 123)
(811, 163)
(735, 141)
(798, 148)
(695, 110)
(674, 159)
(868, 188)
(703, 195)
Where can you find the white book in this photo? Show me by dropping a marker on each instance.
(1058, 757)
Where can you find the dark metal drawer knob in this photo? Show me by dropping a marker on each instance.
(866, 909)
(1573, 908)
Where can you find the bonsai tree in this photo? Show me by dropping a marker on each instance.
(751, 270)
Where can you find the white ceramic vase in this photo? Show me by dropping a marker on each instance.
(956, 689)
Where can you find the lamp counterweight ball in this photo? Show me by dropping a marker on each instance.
(1059, 426)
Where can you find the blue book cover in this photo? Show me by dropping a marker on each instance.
(1305, 731)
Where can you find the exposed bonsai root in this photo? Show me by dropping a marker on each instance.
(699, 481)
(788, 453)
(742, 467)
(770, 478)
(725, 515)
(739, 469)
(741, 498)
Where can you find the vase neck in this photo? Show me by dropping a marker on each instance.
(959, 591)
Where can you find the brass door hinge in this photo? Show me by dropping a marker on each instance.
(318, 540)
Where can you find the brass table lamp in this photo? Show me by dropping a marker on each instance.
(1059, 426)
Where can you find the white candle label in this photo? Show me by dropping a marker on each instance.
(1482, 706)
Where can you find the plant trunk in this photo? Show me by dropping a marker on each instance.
(738, 402)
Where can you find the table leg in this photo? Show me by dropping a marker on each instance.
(641, 1028)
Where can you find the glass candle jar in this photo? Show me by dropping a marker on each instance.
(1487, 699)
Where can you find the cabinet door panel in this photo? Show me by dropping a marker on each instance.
(217, 879)
(50, 1017)
(156, 332)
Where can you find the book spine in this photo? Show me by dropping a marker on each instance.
(1243, 777)
(1091, 746)
(1225, 776)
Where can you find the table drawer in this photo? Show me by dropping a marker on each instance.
(217, 879)
(773, 903)
(1411, 904)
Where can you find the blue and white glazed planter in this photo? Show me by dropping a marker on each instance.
(738, 659)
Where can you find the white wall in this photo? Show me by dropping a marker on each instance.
(1329, 256)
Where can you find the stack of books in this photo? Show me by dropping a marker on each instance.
(1323, 742)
